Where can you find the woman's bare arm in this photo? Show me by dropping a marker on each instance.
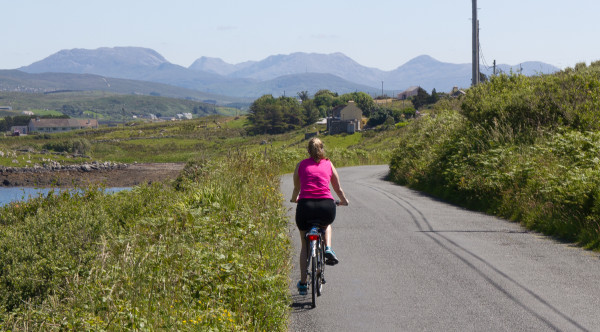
(337, 187)
(296, 190)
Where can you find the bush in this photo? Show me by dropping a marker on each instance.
(525, 148)
(529, 104)
(74, 145)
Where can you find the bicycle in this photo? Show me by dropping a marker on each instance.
(315, 260)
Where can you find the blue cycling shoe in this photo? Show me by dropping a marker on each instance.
(330, 257)
(302, 288)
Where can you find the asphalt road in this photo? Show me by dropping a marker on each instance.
(409, 262)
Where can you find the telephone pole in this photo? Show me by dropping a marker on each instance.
(475, 79)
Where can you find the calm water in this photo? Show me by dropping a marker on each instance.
(8, 195)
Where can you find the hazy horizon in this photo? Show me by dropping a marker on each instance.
(382, 35)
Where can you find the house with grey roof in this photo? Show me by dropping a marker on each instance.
(410, 92)
(60, 125)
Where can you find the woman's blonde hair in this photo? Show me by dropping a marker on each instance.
(316, 149)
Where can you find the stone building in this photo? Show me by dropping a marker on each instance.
(345, 119)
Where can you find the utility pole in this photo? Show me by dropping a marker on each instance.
(381, 89)
(475, 79)
(494, 67)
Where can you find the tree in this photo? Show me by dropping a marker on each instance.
(311, 112)
(293, 115)
(324, 100)
(420, 99)
(362, 100)
(434, 97)
(377, 117)
(18, 120)
(303, 95)
(389, 115)
(275, 116)
(258, 114)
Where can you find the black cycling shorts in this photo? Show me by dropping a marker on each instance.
(310, 210)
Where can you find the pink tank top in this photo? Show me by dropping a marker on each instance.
(314, 179)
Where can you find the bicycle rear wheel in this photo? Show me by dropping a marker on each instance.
(313, 281)
(320, 269)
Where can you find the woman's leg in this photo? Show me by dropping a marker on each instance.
(330, 256)
(328, 236)
(303, 257)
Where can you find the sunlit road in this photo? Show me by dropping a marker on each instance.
(411, 263)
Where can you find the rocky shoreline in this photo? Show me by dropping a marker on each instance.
(55, 166)
(100, 173)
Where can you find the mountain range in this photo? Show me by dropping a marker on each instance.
(276, 75)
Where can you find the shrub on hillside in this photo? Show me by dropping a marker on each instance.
(527, 104)
(526, 148)
(73, 145)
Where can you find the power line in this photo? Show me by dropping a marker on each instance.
(482, 57)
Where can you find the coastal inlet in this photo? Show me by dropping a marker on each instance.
(106, 173)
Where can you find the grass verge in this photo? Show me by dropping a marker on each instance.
(208, 252)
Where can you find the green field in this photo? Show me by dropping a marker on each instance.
(182, 141)
(106, 106)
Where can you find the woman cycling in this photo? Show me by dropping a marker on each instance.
(315, 202)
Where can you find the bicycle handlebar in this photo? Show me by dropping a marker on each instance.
(337, 203)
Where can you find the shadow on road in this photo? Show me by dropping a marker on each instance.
(300, 303)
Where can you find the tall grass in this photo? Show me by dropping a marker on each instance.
(522, 148)
(207, 252)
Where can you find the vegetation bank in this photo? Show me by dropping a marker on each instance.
(524, 148)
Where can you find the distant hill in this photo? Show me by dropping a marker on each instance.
(302, 63)
(290, 85)
(423, 70)
(118, 62)
(18, 81)
(217, 66)
(107, 106)
(277, 74)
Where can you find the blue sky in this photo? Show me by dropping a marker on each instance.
(379, 34)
